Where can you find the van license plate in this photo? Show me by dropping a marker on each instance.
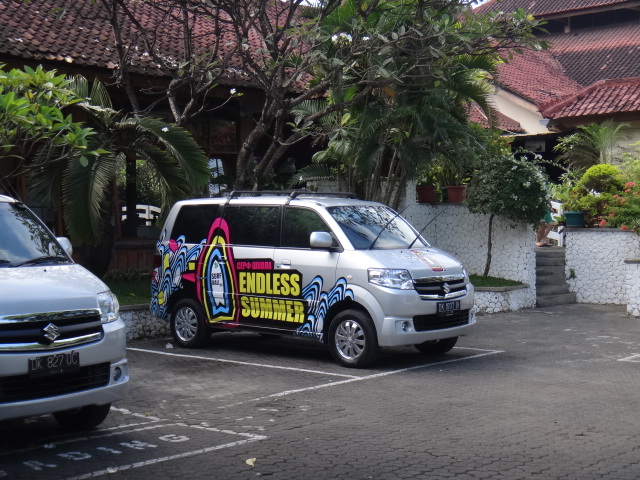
(449, 307)
(54, 364)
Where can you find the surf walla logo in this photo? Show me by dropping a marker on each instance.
(216, 287)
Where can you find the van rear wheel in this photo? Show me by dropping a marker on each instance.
(352, 339)
(188, 325)
(437, 347)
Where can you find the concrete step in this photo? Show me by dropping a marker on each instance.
(551, 300)
(542, 270)
(557, 279)
(552, 289)
(549, 251)
(550, 261)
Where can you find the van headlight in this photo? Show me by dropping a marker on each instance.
(392, 278)
(109, 307)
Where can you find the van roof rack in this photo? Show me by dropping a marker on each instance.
(291, 194)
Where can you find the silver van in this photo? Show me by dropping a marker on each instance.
(62, 341)
(350, 273)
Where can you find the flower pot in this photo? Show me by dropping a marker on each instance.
(427, 193)
(456, 193)
(574, 219)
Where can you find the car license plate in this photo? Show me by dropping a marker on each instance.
(54, 364)
(449, 307)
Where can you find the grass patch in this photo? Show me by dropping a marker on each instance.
(480, 281)
(131, 289)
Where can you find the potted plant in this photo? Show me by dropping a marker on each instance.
(427, 188)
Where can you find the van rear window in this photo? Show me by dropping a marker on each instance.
(194, 222)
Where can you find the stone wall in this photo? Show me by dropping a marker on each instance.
(597, 266)
(141, 324)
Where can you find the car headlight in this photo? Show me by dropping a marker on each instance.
(466, 275)
(392, 278)
(109, 307)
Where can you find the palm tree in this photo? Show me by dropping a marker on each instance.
(391, 136)
(84, 187)
(592, 144)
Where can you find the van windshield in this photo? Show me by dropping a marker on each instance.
(24, 240)
(376, 227)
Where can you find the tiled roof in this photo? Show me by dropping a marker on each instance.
(476, 115)
(83, 36)
(545, 7)
(598, 54)
(605, 97)
(536, 76)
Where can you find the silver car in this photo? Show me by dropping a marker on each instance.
(62, 341)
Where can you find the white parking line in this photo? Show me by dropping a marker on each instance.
(224, 360)
(367, 377)
(635, 358)
(350, 378)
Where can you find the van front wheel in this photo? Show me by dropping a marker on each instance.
(352, 339)
(437, 347)
(188, 324)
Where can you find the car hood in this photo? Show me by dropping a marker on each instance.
(421, 262)
(43, 289)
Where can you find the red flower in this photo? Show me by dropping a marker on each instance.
(603, 223)
(624, 227)
(629, 184)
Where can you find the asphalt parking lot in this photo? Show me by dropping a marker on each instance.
(544, 393)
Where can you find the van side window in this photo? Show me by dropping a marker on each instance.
(298, 225)
(252, 225)
(194, 222)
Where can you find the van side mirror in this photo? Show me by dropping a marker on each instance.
(65, 244)
(320, 240)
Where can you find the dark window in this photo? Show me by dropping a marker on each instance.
(194, 222)
(298, 225)
(249, 225)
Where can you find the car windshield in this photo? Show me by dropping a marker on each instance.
(376, 227)
(24, 240)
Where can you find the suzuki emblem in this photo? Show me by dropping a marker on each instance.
(446, 287)
(51, 332)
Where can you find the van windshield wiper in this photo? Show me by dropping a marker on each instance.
(385, 226)
(43, 259)
(423, 229)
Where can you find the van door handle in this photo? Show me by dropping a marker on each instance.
(284, 264)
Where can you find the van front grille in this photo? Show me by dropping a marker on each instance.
(49, 331)
(440, 288)
(19, 388)
(440, 321)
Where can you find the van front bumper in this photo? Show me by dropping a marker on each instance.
(103, 378)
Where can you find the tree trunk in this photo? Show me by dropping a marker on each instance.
(130, 226)
(489, 245)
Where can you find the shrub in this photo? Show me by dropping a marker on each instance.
(624, 209)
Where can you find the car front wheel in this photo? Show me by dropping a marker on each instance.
(352, 339)
(84, 418)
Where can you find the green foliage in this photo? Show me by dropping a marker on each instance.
(482, 281)
(592, 144)
(510, 187)
(603, 178)
(84, 189)
(593, 192)
(34, 123)
(624, 209)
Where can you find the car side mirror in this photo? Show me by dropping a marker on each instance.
(65, 244)
(320, 240)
